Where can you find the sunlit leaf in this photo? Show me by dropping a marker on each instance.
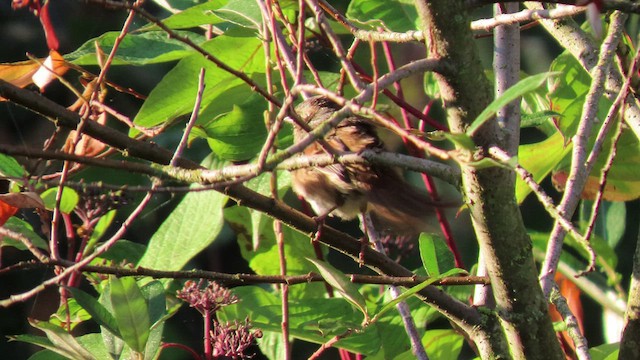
(244, 13)
(189, 229)
(175, 94)
(130, 312)
(62, 342)
(25, 229)
(135, 49)
(436, 256)
(524, 86)
(259, 248)
(342, 284)
(98, 312)
(315, 320)
(540, 159)
(69, 315)
(194, 16)
(605, 352)
(239, 134)
(9, 167)
(395, 15)
(441, 344)
(68, 201)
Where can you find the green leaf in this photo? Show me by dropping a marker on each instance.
(175, 94)
(114, 344)
(341, 283)
(192, 226)
(610, 223)
(271, 345)
(98, 312)
(174, 6)
(130, 311)
(522, 87)
(46, 355)
(395, 15)
(462, 140)
(93, 343)
(241, 12)
(135, 49)
(262, 185)
(405, 295)
(124, 251)
(9, 167)
(568, 91)
(99, 230)
(442, 344)
(258, 246)
(567, 95)
(68, 201)
(62, 342)
(155, 295)
(239, 134)
(436, 256)
(194, 16)
(554, 151)
(538, 118)
(315, 320)
(25, 229)
(605, 352)
(75, 313)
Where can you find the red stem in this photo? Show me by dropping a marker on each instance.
(183, 347)
(208, 350)
(428, 181)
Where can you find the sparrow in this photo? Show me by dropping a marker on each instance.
(346, 191)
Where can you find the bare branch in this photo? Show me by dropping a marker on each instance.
(578, 175)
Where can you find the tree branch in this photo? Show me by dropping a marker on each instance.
(463, 315)
(490, 193)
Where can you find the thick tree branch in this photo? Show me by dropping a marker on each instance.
(460, 313)
(630, 342)
(490, 192)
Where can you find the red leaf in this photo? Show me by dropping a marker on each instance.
(6, 211)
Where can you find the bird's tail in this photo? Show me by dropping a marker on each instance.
(397, 208)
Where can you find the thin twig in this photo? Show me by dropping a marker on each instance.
(192, 120)
(73, 268)
(557, 214)
(216, 176)
(526, 15)
(338, 50)
(234, 279)
(578, 175)
(573, 328)
(26, 242)
(104, 68)
(417, 348)
(174, 35)
(327, 345)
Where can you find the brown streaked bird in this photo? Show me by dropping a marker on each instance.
(346, 191)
